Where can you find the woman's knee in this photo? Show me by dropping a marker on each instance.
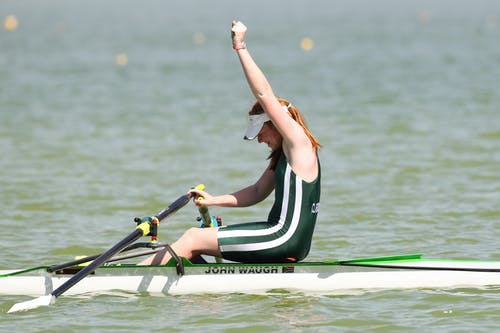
(199, 240)
(190, 236)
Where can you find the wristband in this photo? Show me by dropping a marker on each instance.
(239, 46)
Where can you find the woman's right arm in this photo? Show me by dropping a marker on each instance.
(245, 197)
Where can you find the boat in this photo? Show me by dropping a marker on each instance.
(108, 271)
(180, 277)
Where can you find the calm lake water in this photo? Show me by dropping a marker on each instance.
(110, 110)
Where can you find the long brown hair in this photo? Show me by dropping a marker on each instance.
(297, 116)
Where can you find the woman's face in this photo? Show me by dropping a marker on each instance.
(270, 135)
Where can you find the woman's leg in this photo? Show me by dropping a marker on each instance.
(194, 242)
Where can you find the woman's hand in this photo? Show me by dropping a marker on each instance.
(238, 32)
(201, 198)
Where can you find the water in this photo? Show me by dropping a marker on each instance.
(403, 97)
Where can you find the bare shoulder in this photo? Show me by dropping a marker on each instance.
(304, 162)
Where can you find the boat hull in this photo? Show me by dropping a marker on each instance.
(341, 277)
(336, 283)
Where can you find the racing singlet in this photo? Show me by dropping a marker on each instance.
(286, 235)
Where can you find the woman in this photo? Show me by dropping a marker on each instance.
(293, 173)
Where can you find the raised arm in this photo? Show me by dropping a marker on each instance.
(261, 89)
(296, 144)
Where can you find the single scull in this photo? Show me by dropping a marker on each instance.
(337, 277)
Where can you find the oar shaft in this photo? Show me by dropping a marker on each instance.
(135, 235)
(76, 262)
(177, 204)
(54, 268)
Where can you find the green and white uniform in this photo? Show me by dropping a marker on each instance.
(287, 233)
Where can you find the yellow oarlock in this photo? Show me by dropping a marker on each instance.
(145, 227)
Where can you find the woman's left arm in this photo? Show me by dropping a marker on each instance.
(292, 133)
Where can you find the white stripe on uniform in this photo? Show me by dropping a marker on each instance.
(268, 231)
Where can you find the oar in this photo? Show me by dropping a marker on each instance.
(142, 229)
(83, 260)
